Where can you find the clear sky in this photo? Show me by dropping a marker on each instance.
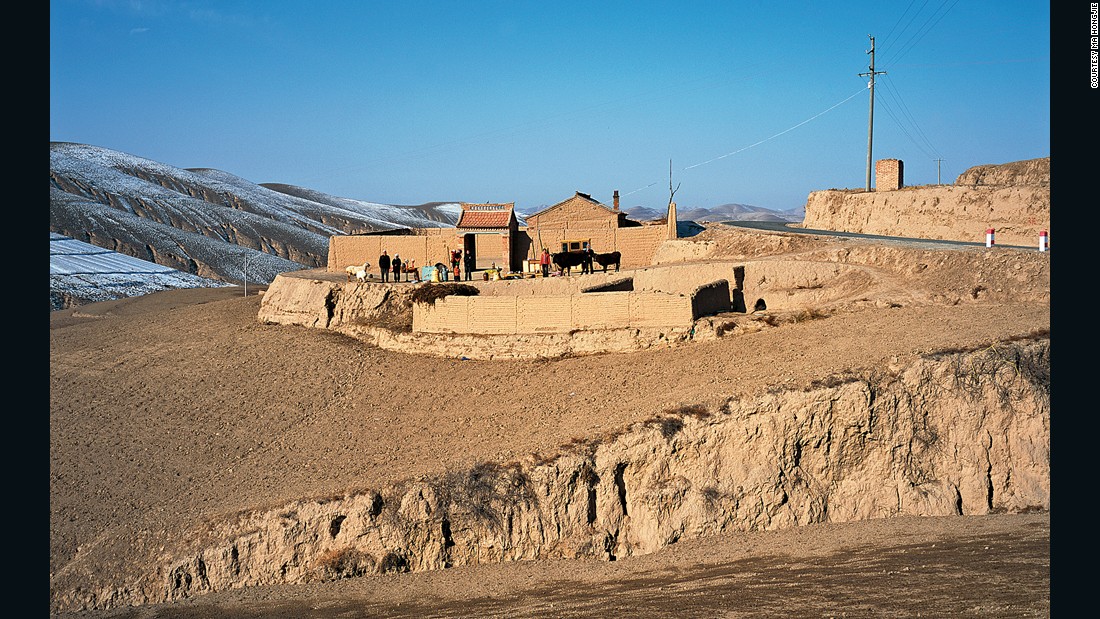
(411, 101)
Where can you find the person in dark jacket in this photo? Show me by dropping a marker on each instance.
(469, 265)
(397, 267)
(384, 265)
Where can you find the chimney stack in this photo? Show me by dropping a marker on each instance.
(616, 200)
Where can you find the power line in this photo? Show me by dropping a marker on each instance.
(905, 131)
(924, 29)
(746, 72)
(892, 91)
(792, 128)
(889, 41)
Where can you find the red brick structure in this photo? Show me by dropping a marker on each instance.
(888, 175)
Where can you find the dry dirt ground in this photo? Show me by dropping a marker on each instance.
(180, 406)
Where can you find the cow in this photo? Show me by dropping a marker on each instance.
(566, 260)
(606, 260)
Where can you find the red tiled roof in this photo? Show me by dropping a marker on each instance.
(486, 215)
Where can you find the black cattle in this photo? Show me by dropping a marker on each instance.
(566, 260)
(606, 260)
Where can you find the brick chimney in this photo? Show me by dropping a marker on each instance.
(889, 175)
(616, 209)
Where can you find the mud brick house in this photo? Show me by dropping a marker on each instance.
(581, 221)
(488, 231)
(491, 231)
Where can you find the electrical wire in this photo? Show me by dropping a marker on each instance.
(892, 91)
(792, 128)
(924, 29)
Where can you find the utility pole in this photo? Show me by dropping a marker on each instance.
(871, 112)
(938, 161)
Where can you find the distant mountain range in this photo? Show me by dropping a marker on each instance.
(223, 228)
(725, 212)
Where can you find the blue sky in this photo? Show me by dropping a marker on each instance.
(405, 102)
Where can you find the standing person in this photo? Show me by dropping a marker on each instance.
(384, 266)
(586, 260)
(544, 261)
(397, 268)
(469, 266)
(456, 259)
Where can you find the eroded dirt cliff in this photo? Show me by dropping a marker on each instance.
(954, 433)
(1013, 199)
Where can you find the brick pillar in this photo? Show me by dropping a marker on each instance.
(888, 175)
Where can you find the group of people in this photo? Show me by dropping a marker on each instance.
(396, 266)
(462, 265)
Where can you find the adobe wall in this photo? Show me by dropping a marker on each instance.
(426, 246)
(555, 314)
(637, 244)
(682, 278)
(553, 285)
(780, 284)
(604, 238)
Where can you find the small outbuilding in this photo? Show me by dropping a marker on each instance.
(488, 233)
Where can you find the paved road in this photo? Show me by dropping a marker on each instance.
(783, 226)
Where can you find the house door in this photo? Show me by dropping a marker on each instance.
(469, 248)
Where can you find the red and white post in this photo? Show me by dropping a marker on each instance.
(989, 237)
(1043, 240)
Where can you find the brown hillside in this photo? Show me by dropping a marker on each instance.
(1030, 172)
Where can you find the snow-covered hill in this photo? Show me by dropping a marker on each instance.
(206, 222)
(81, 273)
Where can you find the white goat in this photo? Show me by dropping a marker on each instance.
(358, 271)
